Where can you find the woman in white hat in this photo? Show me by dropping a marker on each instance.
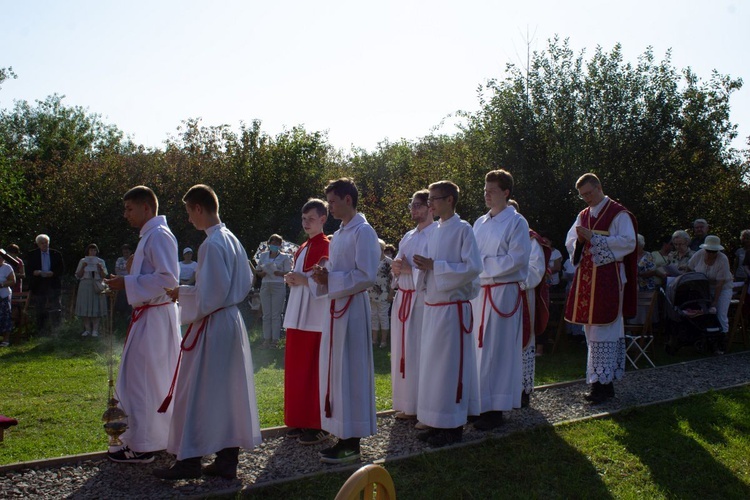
(710, 261)
(187, 267)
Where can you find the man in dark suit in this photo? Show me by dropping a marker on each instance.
(45, 268)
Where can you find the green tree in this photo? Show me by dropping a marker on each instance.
(656, 137)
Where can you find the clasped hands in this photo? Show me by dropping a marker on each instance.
(295, 279)
(583, 233)
(320, 275)
(423, 263)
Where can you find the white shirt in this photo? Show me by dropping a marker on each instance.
(282, 262)
(187, 271)
(5, 271)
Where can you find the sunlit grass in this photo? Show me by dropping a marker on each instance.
(698, 448)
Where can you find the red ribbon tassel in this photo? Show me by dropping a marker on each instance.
(334, 316)
(404, 311)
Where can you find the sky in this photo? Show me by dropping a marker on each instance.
(361, 71)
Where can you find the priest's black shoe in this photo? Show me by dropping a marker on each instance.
(600, 393)
(525, 399)
(190, 468)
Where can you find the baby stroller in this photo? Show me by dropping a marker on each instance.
(689, 322)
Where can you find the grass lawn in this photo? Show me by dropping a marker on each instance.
(57, 388)
(698, 447)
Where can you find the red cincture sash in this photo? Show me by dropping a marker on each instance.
(136, 314)
(487, 290)
(462, 330)
(184, 347)
(334, 316)
(404, 311)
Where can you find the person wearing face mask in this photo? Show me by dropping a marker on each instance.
(272, 266)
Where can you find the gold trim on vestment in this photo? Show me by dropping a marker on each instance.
(592, 287)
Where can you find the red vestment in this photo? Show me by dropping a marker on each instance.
(594, 297)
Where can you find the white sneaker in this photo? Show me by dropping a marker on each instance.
(85, 333)
(94, 333)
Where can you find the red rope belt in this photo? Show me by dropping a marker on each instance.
(334, 316)
(136, 314)
(404, 311)
(184, 347)
(487, 290)
(462, 330)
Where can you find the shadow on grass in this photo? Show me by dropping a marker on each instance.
(673, 444)
(512, 467)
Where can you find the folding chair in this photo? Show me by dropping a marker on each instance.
(370, 481)
(20, 314)
(736, 314)
(639, 337)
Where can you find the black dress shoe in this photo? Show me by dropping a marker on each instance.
(525, 399)
(225, 465)
(489, 420)
(445, 437)
(595, 394)
(427, 434)
(190, 468)
(600, 393)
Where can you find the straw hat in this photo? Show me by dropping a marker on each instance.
(712, 244)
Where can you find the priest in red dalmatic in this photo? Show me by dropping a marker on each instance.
(602, 246)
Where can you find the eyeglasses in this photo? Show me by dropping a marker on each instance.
(430, 200)
(585, 195)
(415, 205)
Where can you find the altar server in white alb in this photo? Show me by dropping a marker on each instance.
(347, 373)
(152, 343)
(503, 238)
(446, 363)
(215, 409)
(408, 309)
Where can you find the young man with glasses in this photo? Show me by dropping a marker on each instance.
(503, 238)
(408, 308)
(602, 244)
(447, 371)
